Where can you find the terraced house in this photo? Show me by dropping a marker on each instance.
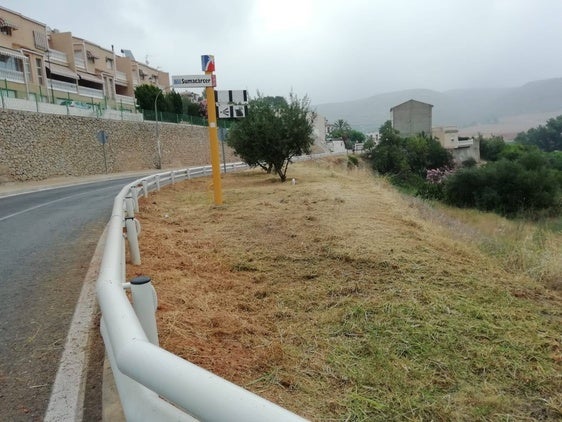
(40, 66)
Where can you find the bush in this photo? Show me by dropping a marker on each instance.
(490, 149)
(505, 187)
(470, 162)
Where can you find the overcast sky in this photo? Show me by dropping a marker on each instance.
(328, 49)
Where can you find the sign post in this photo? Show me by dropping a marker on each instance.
(208, 81)
(208, 65)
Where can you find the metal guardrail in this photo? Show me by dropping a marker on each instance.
(154, 384)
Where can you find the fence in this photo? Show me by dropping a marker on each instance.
(164, 116)
(154, 384)
(44, 102)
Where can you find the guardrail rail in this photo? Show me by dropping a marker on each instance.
(154, 384)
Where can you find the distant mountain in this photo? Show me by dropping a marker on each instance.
(462, 107)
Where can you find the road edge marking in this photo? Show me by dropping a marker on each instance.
(67, 395)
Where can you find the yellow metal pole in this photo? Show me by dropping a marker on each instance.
(214, 142)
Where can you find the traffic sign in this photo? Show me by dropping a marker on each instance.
(193, 81)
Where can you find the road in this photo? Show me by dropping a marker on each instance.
(47, 240)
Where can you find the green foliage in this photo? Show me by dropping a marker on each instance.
(352, 161)
(415, 155)
(514, 151)
(470, 162)
(490, 149)
(547, 138)
(369, 144)
(174, 102)
(356, 137)
(170, 102)
(272, 133)
(190, 108)
(146, 94)
(505, 187)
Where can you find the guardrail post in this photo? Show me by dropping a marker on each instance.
(188, 174)
(173, 177)
(145, 188)
(157, 182)
(132, 232)
(135, 194)
(145, 303)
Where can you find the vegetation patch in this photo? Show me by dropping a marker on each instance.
(341, 299)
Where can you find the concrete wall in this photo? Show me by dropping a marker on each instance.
(35, 146)
(411, 118)
(470, 151)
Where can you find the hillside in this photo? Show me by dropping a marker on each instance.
(341, 299)
(461, 108)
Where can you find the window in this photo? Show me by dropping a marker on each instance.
(39, 67)
(6, 30)
(109, 63)
(11, 63)
(91, 57)
(27, 68)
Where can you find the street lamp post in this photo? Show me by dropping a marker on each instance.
(159, 151)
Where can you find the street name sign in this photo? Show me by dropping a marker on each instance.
(193, 81)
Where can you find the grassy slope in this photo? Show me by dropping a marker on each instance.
(340, 299)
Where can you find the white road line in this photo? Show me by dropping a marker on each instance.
(52, 202)
(67, 397)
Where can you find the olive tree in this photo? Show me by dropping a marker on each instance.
(272, 133)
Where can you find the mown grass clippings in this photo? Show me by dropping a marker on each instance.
(341, 299)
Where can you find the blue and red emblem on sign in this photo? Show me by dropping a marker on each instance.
(208, 63)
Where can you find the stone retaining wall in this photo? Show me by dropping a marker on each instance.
(36, 146)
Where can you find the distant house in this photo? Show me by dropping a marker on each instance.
(461, 147)
(412, 118)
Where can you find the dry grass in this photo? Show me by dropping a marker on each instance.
(342, 300)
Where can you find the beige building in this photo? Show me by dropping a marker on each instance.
(44, 65)
(461, 147)
(412, 118)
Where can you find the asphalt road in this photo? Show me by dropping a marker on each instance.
(47, 240)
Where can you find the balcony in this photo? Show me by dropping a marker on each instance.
(120, 76)
(90, 92)
(465, 142)
(125, 100)
(61, 86)
(80, 63)
(57, 57)
(12, 75)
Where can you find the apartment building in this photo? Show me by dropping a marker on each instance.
(46, 65)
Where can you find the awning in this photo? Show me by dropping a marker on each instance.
(5, 24)
(121, 83)
(62, 71)
(90, 77)
(12, 53)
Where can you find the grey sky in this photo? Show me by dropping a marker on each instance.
(331, 50)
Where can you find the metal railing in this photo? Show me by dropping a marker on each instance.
(57, 56)
(12, 75)
(154, 384)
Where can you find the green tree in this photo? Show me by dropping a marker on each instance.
(273, 133)
(174, 102)
(189, 107)
(146, 94)
(490, 149)
(547, 138)
(356, 136)
(341, 129)
(369, 143)
(389, 156)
